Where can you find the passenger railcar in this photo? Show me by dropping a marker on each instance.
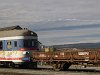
(16, 47)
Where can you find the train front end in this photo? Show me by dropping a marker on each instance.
(16, 48)
(26, 45)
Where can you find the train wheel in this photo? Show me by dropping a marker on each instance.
(56, 66)
(8, 65)
(11, 65)
(29, 65)
(66, 66)
(32, 65)
(24, 65)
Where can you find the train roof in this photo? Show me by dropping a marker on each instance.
(15, 31)
(11, 28)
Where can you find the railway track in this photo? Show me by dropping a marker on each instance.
(49, 71)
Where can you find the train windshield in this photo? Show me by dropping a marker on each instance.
(29, 43)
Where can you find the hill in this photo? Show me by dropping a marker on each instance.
(79, 45)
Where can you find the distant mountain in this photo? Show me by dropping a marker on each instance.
(79, 45)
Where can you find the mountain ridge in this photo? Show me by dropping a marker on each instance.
(79, 45)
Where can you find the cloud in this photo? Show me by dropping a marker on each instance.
(70, 27)
(36, 10)
(55, 21)
(89, 33)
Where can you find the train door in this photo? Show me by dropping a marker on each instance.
(8, 52)
(9, 45)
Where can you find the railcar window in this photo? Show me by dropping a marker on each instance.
(26, 43)
(32, 43)
(9, 44)
(0, 44)
(15, 43)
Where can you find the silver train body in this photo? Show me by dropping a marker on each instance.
(16, 47)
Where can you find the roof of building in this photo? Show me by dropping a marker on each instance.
(11, 28)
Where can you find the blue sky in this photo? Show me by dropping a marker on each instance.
(55, 21)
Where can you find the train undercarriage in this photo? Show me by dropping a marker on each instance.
(10, 64)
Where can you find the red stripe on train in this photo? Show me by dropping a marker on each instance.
(10, 58)
(24, 49)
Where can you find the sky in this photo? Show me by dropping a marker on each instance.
(55, 21)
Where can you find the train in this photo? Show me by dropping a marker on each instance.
(19, 47)
(16, 46)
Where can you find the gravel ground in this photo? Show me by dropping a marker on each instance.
(72, 71)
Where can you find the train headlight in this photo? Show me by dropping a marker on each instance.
(25, 52)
